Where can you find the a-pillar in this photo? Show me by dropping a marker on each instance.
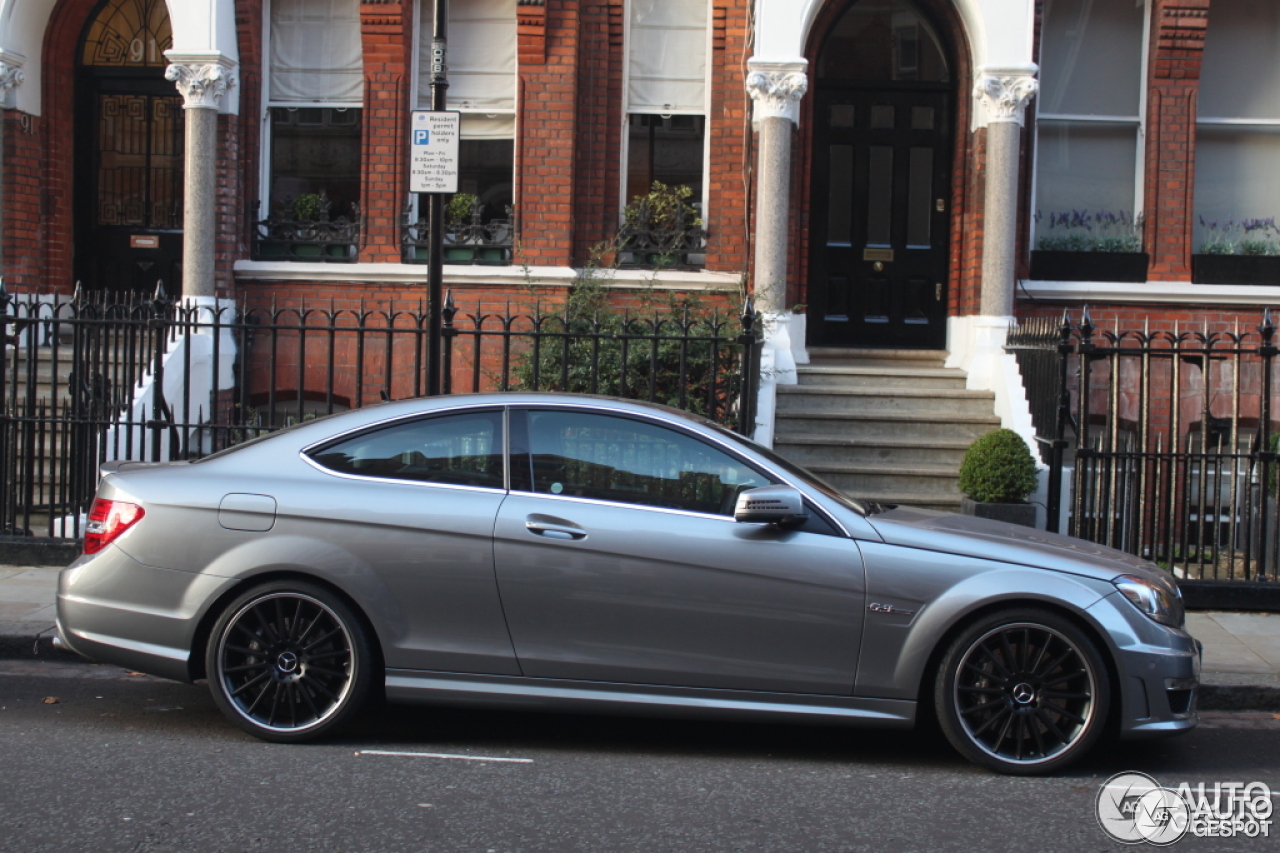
(1004, 95)
(202, 78)
(776, 89)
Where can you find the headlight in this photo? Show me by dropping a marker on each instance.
(1161, 602)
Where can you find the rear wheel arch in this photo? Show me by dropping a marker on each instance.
(204, 629)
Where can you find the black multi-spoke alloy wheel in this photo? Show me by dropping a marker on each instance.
(288, 661)
(1022, 691)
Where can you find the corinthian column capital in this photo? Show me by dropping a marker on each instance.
(1005, 94)
(776, 89)
(11, 74)
(201, 80)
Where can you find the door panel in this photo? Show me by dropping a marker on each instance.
(644, 596)
(879, 251)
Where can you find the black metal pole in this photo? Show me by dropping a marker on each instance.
(435, 210)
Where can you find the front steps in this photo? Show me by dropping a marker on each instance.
(885, 425)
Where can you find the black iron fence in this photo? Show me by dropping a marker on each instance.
(1170, 437)
(87, 380)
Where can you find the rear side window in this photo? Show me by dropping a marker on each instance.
(460, 449)
(618, 459)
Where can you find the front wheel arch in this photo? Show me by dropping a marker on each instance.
(925, 714)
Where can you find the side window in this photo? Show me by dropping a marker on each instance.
(463, 449)
(631, 461)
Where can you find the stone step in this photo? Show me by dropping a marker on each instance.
(900, 400)
(805, 448)
(868, 356)
(938, 482)
(899, 424)
(902, 498)
(886, 375)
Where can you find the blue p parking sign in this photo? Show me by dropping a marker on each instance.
(433, 158)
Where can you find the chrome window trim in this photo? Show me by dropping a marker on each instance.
(719, 441)
(503, 411)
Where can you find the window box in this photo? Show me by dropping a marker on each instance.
(1089, 266)
(1235, 269)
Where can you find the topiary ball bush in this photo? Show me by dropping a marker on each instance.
(998, 468)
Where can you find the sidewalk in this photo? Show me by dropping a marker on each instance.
(1241, 650)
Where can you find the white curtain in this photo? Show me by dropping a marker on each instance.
(667, 66)
(482, 65)
(315, 52)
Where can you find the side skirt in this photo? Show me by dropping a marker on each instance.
(543, 694)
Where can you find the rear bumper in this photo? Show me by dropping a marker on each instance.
(114, 609)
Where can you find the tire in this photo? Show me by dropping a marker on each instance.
(289, 661)
(1022, 691)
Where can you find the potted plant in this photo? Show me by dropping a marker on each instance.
(1080, 245)
(458, 217)
(661, 228)
(1243, 251)
(997, 476)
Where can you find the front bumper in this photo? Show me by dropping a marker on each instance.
(1158, 671)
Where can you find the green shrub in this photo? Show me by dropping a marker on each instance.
(998, 468)
(584, 351)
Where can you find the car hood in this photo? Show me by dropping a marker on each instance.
(1008, 543)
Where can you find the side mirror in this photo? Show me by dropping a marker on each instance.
(770, 505)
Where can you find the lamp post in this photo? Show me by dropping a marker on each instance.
(435, 208)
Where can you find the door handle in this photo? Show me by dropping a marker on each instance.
(541, 526)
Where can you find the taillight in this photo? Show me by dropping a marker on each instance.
(107, 520)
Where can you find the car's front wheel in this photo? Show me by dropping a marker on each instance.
(288, 661)
(1022, 691)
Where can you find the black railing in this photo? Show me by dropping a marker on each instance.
(466, 241)
(86, 380)
(1172, 439)
(704, 364)
(287, 236)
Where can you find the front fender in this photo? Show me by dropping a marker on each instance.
(939, 591)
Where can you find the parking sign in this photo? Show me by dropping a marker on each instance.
(433, 158)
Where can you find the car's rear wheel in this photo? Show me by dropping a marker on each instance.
(1022, 691)
(288, 661)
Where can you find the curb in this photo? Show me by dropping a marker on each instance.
(1238, 697)
(38, 551)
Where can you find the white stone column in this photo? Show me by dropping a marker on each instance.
(1003, 95)
(202, 78)
(776, 89)
(11, 77)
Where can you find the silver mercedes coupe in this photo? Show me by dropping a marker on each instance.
(578, 553)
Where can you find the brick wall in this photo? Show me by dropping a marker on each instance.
(386, 30)
(1178, 29)
(24, 199)
(548, 136)
(729, 130)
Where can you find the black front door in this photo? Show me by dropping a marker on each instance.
(129, 202)
(879, 237)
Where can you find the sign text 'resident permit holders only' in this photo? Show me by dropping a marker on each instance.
(433, 147)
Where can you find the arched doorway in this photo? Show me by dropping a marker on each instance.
(884, 110)
(129, 152)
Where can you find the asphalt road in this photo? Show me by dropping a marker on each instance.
(95, 759)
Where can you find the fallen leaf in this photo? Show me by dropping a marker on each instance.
(50, 700)
(135, 673)
(1275, 716)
